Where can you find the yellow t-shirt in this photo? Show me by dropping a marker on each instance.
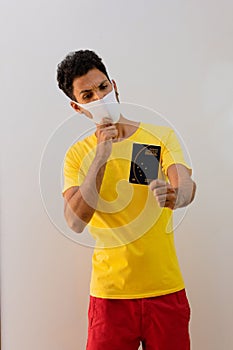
(135, 254)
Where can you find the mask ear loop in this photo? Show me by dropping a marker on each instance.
(116, 92)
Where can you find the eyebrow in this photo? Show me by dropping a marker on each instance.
(88, 90)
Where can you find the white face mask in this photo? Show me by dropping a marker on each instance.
(107, 107)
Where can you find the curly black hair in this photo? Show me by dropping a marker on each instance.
(77, 64)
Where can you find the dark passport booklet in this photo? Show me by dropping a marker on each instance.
(144, 163)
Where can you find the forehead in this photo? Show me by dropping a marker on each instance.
(91, 80)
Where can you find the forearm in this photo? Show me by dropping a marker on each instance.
(82, 205)
(185, 193)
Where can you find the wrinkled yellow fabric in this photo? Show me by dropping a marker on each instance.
(135, 255)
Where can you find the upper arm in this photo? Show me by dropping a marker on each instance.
(172, 153)
(72, 173)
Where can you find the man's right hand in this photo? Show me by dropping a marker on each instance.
(106, 133)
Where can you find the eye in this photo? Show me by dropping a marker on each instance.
(87, 96)
(103, 87)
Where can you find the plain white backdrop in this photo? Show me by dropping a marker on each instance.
(172, 56)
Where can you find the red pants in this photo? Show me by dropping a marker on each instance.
(159, 323)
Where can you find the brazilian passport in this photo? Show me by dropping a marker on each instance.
(144, 163)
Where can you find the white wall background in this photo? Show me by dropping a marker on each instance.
(173, 56)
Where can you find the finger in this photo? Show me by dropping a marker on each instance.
(108, 134)
(157, 183)
(106, 129)
(166, 200)
(161, 200)
(106, 121)
(160, 191)
(103, 126)
(166, 188)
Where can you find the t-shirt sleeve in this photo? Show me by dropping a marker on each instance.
(172, 153)
(72, 174)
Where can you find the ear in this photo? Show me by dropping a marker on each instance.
(114, 85)
(75, 107)
(116, 90)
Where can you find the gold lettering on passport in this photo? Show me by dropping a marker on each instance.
(151, 152)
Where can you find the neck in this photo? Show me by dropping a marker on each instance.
(126, 127)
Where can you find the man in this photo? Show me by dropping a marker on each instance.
(137, 291)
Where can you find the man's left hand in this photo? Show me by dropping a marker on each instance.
(164, 193)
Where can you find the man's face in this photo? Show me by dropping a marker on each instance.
(91, 87)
